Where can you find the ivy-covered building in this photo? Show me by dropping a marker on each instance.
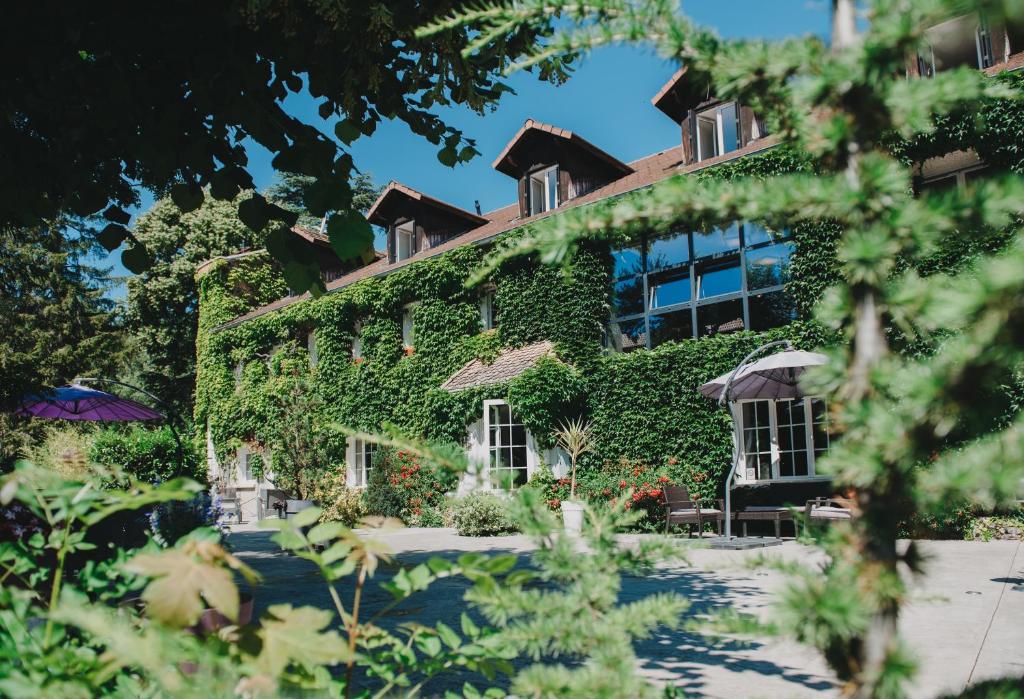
(624, 337)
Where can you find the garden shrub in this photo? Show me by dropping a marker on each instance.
(170, 521)
(340, 503)
(64, 450)
(402, 485)
(147, 454)
(1008, 526)
(483, 514)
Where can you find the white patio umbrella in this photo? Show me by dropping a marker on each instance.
(772, 377)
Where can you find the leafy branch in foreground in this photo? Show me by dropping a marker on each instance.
(912, 430)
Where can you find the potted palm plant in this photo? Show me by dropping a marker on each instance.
(576, 438)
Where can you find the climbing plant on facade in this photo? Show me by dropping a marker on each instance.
(843, 104)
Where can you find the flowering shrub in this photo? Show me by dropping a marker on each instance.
(340, 503)
(402, 486)
(483, 514)
(642, 485)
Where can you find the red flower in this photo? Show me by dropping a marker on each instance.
(656, 493)
(628, 504)
(663, 479)
(637, 496)
(623, 484)
(555, 502)
(606, 491)
(409, 351)
(672, 461)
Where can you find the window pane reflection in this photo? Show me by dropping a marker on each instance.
(627, 261)
(670, 251)
(715, 241)
(670, 289)
(755, 234)
(768, 266)
(677, 325)
(770, 310)
(627, 335)
(719, 279)
(628, 297)
(718, 318)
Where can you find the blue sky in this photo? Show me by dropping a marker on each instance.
(607, 101)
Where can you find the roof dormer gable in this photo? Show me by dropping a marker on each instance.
(555, 165)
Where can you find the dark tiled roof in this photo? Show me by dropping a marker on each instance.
(399, 189)
(509, 364)
(646, 171)
(502, 166)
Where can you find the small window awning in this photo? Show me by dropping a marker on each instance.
(509, 364)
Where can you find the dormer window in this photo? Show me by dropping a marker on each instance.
(544, 190)
(716, 132)
(405, 240)
(958, 42)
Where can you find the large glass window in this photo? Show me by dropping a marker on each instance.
(506, 446)
(782, 438)
(679, 285)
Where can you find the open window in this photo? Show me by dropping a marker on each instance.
(959, 42)
(716, 131)
(543, 190)
(405, 240)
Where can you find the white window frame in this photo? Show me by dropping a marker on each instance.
(550, 198)
(405, 232)
(960, 175)
(359, 472)
(408, 325)
(531, 458)
(776, 453)
(486, 305)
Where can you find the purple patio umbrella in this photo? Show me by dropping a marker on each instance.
(77, 402)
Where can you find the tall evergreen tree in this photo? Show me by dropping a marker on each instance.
(58, 322)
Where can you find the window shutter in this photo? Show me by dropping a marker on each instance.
(690, 124)
(524, 201)
(984, 39)
(392, 244)
(416, 229)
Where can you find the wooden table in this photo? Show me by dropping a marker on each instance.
(758, 513)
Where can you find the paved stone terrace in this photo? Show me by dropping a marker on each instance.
(966, 622)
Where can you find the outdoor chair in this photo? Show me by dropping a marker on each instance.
(829, 510)
(681, 508)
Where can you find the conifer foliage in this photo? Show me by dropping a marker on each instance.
(914, 432)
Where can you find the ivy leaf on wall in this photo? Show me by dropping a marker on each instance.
(350, 234)
(296, 635)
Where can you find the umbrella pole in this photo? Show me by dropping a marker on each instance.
(736, 436)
